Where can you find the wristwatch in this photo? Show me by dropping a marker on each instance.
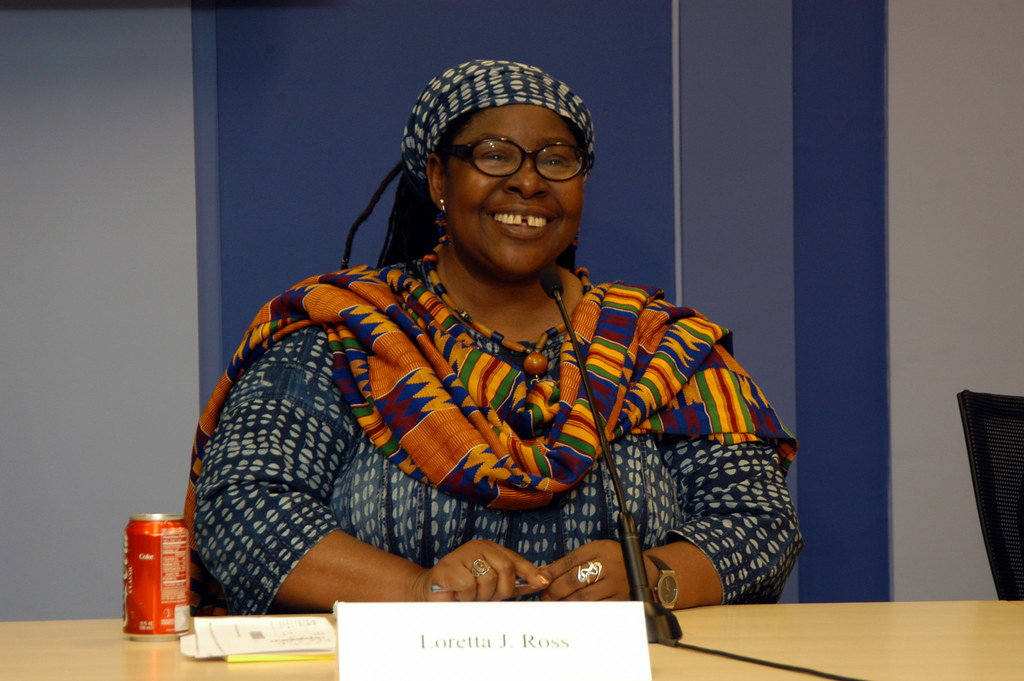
(666, 589)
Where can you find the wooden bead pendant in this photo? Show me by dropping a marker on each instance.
(535, 364)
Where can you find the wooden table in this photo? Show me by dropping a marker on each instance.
(933, 641)
(899, 641)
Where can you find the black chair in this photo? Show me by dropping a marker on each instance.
(994, 429)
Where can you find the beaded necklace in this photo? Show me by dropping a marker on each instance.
(534, 364)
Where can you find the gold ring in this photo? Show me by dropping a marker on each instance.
(480, 568)
(589, 573)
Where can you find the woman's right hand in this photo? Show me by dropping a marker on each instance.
(479, 570)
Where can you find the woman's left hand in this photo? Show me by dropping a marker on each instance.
(593, 572)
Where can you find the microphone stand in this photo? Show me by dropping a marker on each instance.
(662, 626)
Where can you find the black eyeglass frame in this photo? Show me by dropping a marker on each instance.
(465, 152)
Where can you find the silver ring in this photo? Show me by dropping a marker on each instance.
(589, 573)
(480, 568)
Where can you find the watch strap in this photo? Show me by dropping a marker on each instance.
(660, 564)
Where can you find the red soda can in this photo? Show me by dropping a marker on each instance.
(156, 587)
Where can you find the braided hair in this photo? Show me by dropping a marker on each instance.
(410, 234)
(409, 220)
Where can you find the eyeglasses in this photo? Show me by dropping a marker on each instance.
(502, 157)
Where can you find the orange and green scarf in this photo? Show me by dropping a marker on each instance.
(456, 417)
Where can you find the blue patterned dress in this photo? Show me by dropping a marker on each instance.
(287, 464)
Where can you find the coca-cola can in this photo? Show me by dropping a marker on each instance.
(156, 585)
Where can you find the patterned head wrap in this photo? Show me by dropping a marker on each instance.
(477, 85)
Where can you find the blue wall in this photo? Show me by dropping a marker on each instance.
(840, 256)
(781, 110)
(313, 99)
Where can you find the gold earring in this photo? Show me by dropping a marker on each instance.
(441, 223)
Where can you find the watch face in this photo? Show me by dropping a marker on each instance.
(668, 590)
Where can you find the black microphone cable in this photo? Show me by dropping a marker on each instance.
(758, 661)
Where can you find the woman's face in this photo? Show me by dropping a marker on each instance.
(507, 228)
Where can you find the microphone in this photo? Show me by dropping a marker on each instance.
(662, 626)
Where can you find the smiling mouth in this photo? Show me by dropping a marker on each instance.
(516, 219)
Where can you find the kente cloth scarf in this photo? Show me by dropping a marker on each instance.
(456, 417)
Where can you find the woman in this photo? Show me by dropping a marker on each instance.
(380, 437)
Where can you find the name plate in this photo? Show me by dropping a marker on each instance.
(509, 641)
